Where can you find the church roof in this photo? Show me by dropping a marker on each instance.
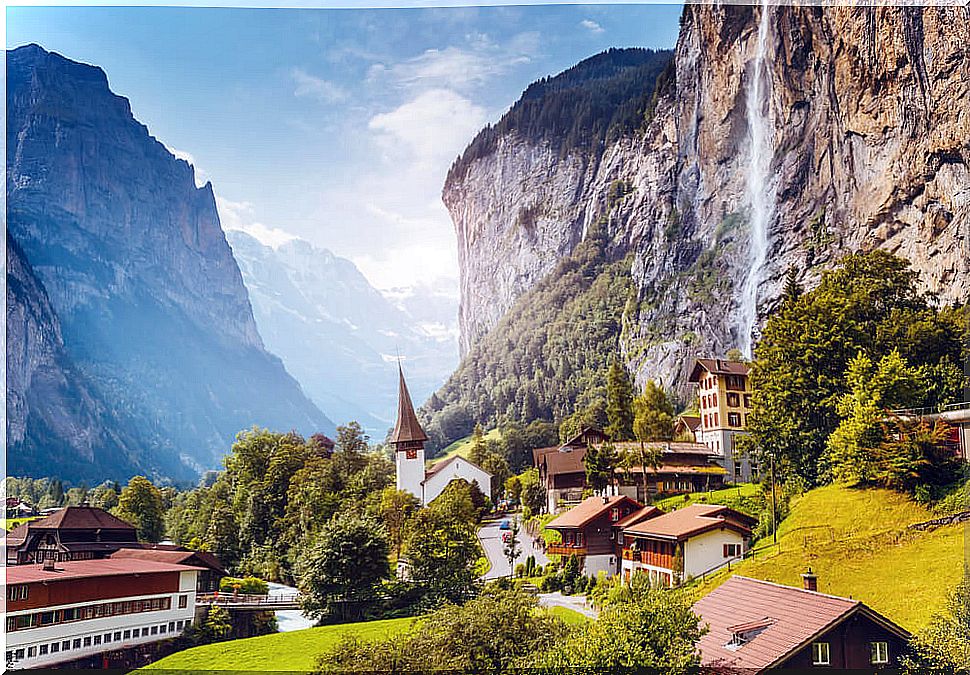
(407, 428)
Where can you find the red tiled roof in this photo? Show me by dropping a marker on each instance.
(174, 557)
(588, 510)
(638, 516)
(693, 520)
(780, 619)
(81, 518)
(77, 569)
(16, 536)
(718, 367)
(407, 428)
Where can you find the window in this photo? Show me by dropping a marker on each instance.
(820, 654)
(879, 652)
(163, 629)
(171, 626)
(747, 400)
(734, 419)
(9, 656)
(87, 642)
(732, 550)
(18, 592)
(614, 516)
(77, 643)
(44, 649)
(734, 401)
(11, 623)
(107, 637)
(66, 645)
(31, 652)
(154, 630)
(127, 634)
(55, 647)
(19, 654)
(118, 636)
(97, 639)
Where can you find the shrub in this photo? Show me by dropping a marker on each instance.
(245, 585)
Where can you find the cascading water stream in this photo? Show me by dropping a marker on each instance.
(759, 185)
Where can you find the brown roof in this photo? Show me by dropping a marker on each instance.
(690, 421)
(588, 510)
(779, 621)
(565, 461)
(16, 536)
(718, 367)
(76, 569)
(693, 520)
(174, 557)
(538, 453)
(638, 516)
(407, 428)
(666, 447)
(81, 518)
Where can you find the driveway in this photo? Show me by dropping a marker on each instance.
(577, 603)
(490, 535)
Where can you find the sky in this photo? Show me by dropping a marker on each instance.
(334, 125)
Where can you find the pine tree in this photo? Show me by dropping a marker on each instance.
(619, 403)
(793, 290)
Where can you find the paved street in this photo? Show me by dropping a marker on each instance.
(491, 537)
(577, 603)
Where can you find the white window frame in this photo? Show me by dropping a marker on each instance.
(821, 654)
(879, 652)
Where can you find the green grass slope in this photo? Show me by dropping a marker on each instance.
(294, 651)
(463, 447)
(858, 544)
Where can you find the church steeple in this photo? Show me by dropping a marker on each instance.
(407, 432)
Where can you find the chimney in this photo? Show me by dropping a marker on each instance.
(49, 565)
(810, 581)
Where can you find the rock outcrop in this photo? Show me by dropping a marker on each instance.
(151, 305)
(869, 114)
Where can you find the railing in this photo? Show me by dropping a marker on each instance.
(246, 599)
(562, 549)
(920, 412)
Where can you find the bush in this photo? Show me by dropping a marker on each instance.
(520, 570)
(245, 585)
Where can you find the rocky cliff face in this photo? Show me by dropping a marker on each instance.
(136, 269)
(868, 142)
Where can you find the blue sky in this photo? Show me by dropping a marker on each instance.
(335, 125)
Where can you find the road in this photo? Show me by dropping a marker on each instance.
(577, 603)
(490, 535)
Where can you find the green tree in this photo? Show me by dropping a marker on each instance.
(792, 290)
(654, 419)
(441, 552)
(619, 402)
(915, 456)
(944, 645)
(140, 503)
(533, 494)
(593, 415)
(455, 503)
(341, 573)
(397, 508)
(600, 462)
(490, 634)
(869, 303)
(513, 488)
(654, 631)
(512, 549)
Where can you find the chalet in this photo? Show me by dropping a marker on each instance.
(671, 468)
(592, 529)
(210, 569)
(724, 392)
(687, 427)
(408, 439)
(685, 543)
(94, 613)
(71, 533)
(756, 626)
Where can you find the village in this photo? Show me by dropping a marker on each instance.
(84, 591)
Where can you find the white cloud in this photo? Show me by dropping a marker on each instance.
(397, 265)
(241, 216)
(592, 26)
(431, 128)
(201, 177)
(308, 85)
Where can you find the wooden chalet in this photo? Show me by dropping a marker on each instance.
(72, 533)
(756, 626)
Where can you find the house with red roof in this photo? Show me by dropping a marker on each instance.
(755, 626)
(689, 542)
(591, 530)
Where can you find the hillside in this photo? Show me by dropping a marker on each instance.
(858, 544)
(770, 145)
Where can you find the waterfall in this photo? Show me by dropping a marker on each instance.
(759, 185)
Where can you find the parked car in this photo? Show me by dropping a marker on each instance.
(505, 525)
(506, 537)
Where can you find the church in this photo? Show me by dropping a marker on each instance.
(408, 439)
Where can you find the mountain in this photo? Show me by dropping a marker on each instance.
(338, 335)
(775, 139)
(139, 290)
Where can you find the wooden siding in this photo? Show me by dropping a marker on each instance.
(69, 591)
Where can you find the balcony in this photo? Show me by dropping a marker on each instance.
(565, 549)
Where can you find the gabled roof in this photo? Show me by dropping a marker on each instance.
(81, 518)
(538, 453)
(779, 621)
(407, 428)
(638, 516)
(16, 536)
(589, 510)
(690, 421)
(175, 557)
(718, 367)
(565, 461)
(691, 521)
(436, 469)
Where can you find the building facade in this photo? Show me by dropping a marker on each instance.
(724, 395)
(83, 611)
(689, 542)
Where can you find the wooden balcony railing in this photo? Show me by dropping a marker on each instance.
(564, 549)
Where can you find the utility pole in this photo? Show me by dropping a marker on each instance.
(774, 526)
